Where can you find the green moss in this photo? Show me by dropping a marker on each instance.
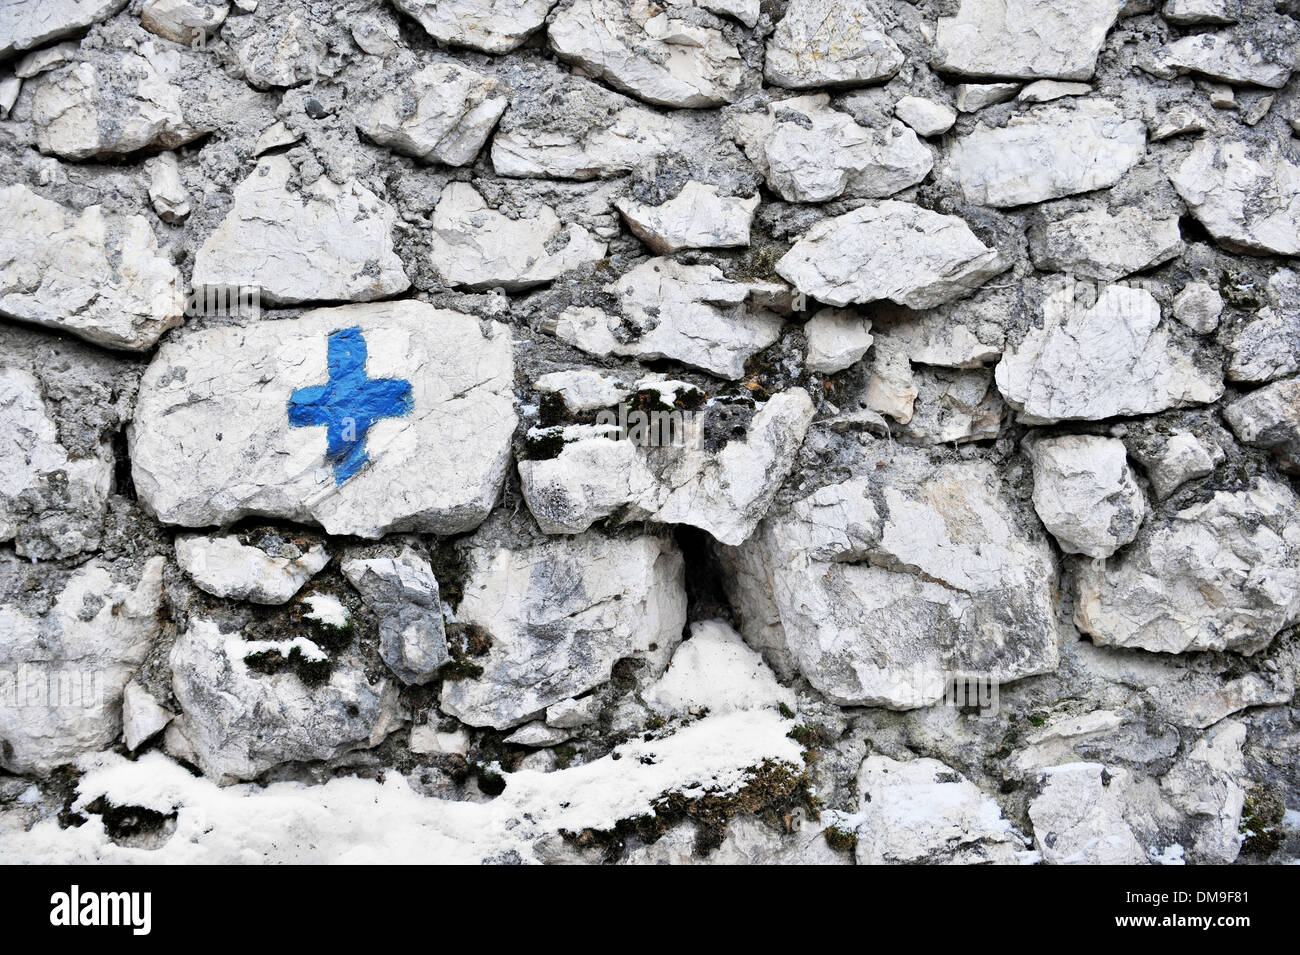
(1261, 822)
(310, 672)
(839, 839)
(785, 712)
(465, 641)
(543, 447)
(1037, 718)
(564, 756)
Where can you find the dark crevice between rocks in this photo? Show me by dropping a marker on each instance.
(706, 594)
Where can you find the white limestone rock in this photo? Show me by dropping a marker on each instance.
(1207, 785)
(183, 21)
(42, 61)
(836, 340)
(619, 599)
(475, 247)
(1198, 306)
(325, 242)
(25, 24)
(921, 812)
(1267, 346)
(1172, 463)
(572, 713)
(809, 152)
(696, 218)
(493, 26)
(1078, 366)
(925, 116)
(403, 593)
(1026, 39)
(1085, 493)
(267, 570)
(830, 43)
(689, 313)
(746, 11)
(724, 492)
(1219, 575)
(1229, 58)
(100, 277)
(65, 672)
(212, 442)
(1248, 198)
(583, 132)
(10, 87)
(643, 49)
(277, 50)
(236, 723)
(881, 588)
(89, 111)
(1078, 816)
(1105, 244)
(52, 504)
(952, 406)
(1047, 152)
(890, 250)
(582, 389)
(973, 97)
(143, 717)
(1269, 418)
(1187, 12)
(715, 671)
(166, 192)
(537, 735)
(1045, 91)
(442, 113)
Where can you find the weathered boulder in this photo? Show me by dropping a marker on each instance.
(276, 47)
(100, 277)
(266, 570)
(1076, 367)
(239, 720)
(1247, 197)
(1085, 493)
(493, 26)
(1230, 59)
(325, 242)
(184, 21)
(1078, 816)
(1267, 346)
(441, 113)
(645, 50)
(1219, 575)
(62, 674)
(1047, 152)
(1198, 306)
(809, 152)
(96, 109)
(616, 598)
(836, 340)
(1027, 39)
(52, 503)
(403, 593)
(689, 313)
(925, 116)
(1105, 244)
(365, 419)
(475, 247)
(725, 492)
(880, 589)
(25, 24)
(830, 43)
(696, 218)
(923, 812)
(890, 250)
(1270, 418)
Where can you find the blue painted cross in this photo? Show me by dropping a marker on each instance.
(349, 403)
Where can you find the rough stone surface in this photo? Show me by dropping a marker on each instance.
(1218, 575)
(1247, 197)
(1270, 418)
(1086, 494)
(496, 26)
(403, 593)
(1075, 367)
(329, 242)
(101, 277)
(696, 218)
(890, 250)
(212, 441)
(809, 152)
(620, 598)
(830, 43)
(1046, 153)
(25, 24)
(226, 566)
(1104, 245)
(1027, 39)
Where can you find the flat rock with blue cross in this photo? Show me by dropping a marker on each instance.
(364, 419)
